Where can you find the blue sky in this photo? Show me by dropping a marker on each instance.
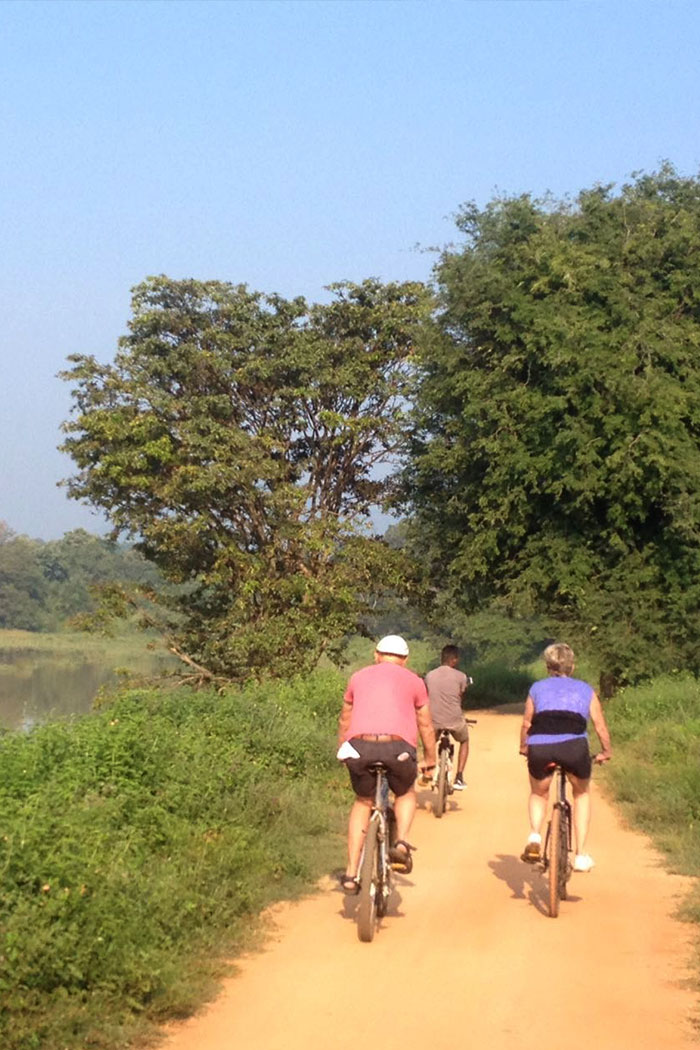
(286, 145)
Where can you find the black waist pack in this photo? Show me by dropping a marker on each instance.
(557, 723)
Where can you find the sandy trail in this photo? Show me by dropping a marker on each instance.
(467, 955)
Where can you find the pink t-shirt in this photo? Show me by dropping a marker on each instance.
(384, 699)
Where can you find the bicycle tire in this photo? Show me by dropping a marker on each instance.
(369, 888)
(441, 785)
(563, 855)
(383, 888)
(554, 860)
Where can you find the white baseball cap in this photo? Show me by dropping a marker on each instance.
(392, 645)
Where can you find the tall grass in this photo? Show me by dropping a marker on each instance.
(655, 772)
(139, 842)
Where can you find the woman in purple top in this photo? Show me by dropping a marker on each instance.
(554, 731)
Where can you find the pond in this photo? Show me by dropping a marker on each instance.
(39, 686)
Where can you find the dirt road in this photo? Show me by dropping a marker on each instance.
(468, 956)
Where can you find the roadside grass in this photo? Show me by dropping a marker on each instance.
(139, 844)
(655, 772)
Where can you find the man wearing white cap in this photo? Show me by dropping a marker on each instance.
(384, 708)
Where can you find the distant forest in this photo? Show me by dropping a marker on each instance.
(44, 584)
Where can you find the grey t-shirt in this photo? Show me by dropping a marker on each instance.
(445, 687)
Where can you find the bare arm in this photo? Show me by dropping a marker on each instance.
(344, 721)
(601, 728)
(427, 734)
(528, 714)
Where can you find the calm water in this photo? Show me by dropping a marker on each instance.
(36, 687)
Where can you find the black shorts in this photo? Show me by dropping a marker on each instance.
(572, 755)
(401, 772)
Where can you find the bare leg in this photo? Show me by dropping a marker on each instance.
(357, 828)
(537, 805)
(404, 809)
(462, 756)
(582, 810)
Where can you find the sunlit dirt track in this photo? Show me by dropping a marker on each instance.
(468, 956)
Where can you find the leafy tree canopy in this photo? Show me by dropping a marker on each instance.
(236, 438)
(556, 463)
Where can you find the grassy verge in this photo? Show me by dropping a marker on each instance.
(138, 844)
(655, 775)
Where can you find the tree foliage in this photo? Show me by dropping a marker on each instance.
(45, 584)
(236, 438)
(556, 465)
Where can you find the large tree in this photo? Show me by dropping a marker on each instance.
(237, 439)
(556, 465)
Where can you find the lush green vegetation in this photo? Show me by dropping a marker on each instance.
(45, 584)
(555, 466)
(239, 438)
(655, 729)
(139, 843)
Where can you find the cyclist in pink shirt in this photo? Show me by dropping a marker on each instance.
(384, 708)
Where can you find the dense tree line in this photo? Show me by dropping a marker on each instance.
(541, 400)
(43, 585)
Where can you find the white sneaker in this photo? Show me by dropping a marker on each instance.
(582, 862)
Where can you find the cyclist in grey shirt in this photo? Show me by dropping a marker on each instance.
(446, 687)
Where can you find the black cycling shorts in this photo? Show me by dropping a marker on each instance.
(573, 755)
(401, 772)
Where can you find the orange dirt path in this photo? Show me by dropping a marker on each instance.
(467, 955)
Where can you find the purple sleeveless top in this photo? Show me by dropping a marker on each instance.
(557, 694)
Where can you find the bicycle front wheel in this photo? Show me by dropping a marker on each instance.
(369, 888)
(563, 854)
(554, 839)
(442, 785)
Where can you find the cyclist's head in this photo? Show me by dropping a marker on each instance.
(450, 655)
(559, 658)
(392, 645)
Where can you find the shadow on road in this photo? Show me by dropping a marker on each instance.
(526, 881)
(425, 798)
(348, 909)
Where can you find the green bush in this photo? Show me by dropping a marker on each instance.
(140, 840)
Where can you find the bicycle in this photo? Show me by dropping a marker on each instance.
(445, 755)
(557, 845)
(375, 873)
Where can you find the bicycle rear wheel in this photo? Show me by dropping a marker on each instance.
(369, 888)
(442, 785)
(554, 840)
